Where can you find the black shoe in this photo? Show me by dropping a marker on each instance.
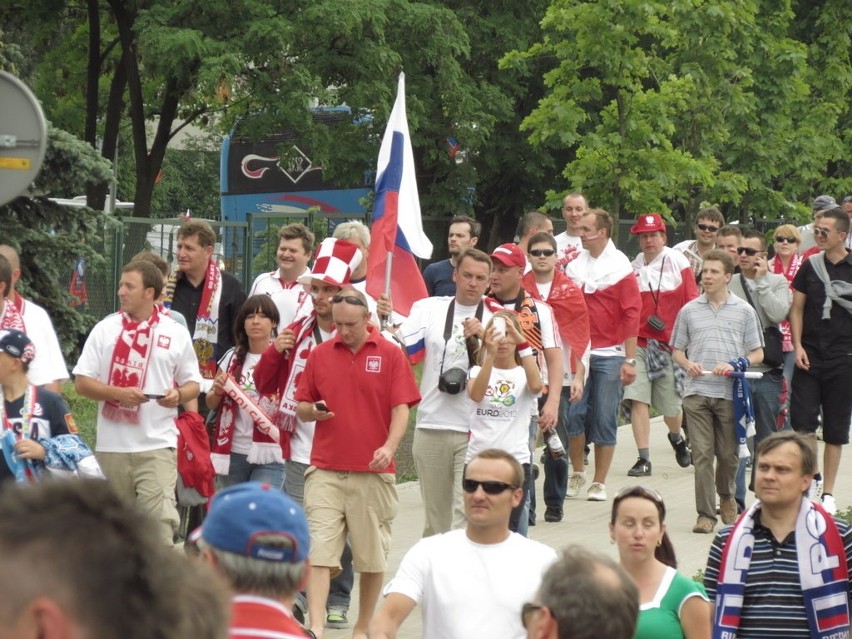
(535, 472)
(553, 515)
(682, 452)
(642, 468)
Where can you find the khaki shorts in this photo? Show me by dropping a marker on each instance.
(361, 504)
(661, 393)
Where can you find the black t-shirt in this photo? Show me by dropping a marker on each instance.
(187, 299)
(825, 340)
(50, 417)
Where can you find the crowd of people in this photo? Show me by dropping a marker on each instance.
(745, 355)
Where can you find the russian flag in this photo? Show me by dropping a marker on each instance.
(397, 229)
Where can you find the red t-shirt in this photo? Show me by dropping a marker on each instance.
(360, 389)
(254, 617)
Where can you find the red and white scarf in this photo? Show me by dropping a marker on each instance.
(240, 395)
(305, 328)
(129, 365)
(207, 321)
(822, 573)
(12, 317)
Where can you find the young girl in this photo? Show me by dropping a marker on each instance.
(242, 451)
(504, 387)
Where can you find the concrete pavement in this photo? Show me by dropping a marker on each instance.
(586, 522)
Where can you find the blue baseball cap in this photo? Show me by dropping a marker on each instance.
(239, 514)
(16, 344)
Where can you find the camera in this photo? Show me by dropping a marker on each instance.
(656, 323)
(452, 381)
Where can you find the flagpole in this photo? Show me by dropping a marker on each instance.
(383, 320)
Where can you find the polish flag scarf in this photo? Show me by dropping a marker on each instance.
(12, 317)
(307, 337)
(265, 447)
(207, 321)
(129, 365)
(822, 573)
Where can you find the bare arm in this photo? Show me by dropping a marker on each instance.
(389, 618)
(797, 314)
(693, 369)
(555, 373)
(695, 618)
(383, 456)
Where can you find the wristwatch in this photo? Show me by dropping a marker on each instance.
(631, 361)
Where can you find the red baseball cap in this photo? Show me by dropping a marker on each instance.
(648, 223)
(509, 255)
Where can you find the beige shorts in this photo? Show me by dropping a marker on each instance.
(362, 505)
(661, 393)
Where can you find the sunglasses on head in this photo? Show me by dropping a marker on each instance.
(785, 240)
(490, 487)
(349, 299)
(748, 251)
(542, 252)
(639, 491)
(708, 227)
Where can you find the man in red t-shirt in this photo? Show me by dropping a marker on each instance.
(358, 387)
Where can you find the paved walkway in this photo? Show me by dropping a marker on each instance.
(587, 522)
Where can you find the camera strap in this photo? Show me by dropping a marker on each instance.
(656, 297)
(448, 326)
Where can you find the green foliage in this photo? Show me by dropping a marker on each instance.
(190, 180)
(85, 412)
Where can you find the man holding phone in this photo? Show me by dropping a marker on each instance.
(358, 388)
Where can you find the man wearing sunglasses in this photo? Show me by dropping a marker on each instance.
(471, 582)
(358, 388)
(546, 283)
(769, 295)
(822, 342)
(710, 220)
(666, 284)
(820, 204)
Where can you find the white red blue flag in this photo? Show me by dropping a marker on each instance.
(397, 228)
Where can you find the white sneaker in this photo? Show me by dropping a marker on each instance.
(829, 504)
(597, 492)
(576, 482)
(815, 490)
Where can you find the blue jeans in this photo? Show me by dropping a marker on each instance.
(556, 470)
(519, 518)
(242, 471)
(600, 403)
(766, 399)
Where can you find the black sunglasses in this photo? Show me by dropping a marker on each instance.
(542, 252)
(785, 240)
(821, 232)
(349, 299)
(748, 251)
(708, 227)
(490, 487)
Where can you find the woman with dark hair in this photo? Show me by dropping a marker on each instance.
(244, 448)
(671, 606)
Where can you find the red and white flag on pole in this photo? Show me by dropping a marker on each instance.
(397, 228)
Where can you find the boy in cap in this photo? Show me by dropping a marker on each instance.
(257, 539)
(30, 416)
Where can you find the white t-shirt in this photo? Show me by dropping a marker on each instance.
(423, 332)
(502, 419)
(286, 300)
(171, 362)
(469, 590)
(568, 247)
(49, 364)
(244, 424)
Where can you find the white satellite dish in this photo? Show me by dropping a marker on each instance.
(23, 137)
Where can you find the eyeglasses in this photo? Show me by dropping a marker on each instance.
(786, 240)
(542, 252)
(821, 232)
(639, 490)
(526, 612)
(708, 227)
(490, 487)
(349, 299)
(748, 251)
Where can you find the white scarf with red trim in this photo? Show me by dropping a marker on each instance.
(12, 317)
(129, 365)
(240, 395)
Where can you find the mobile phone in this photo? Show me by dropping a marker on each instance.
(499, 324)
(321, 406)
(154, 396)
